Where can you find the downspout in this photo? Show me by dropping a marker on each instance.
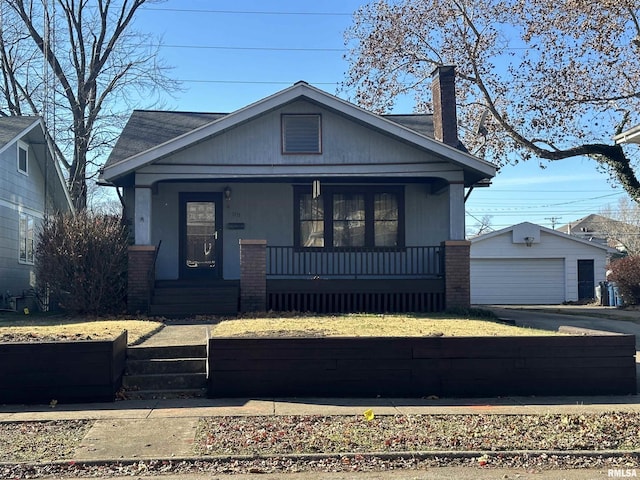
(45, 150)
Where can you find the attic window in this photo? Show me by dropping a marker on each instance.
(23, 158)
(301, 134)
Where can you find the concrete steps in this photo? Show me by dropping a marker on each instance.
(178, 371)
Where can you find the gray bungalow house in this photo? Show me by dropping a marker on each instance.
(301, 201)
(31, 186)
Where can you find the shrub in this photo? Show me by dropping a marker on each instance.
(626, 273)
(81, 262)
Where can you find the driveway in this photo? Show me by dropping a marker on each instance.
(551, 318)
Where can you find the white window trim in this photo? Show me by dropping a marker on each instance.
(22, 239)
(22, 145)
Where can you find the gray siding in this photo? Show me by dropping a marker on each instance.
(254, 149)
(18, 193)
(267, 212)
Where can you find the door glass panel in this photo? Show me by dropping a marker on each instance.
(201, 235)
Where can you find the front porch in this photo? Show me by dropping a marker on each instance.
(338, 280)
(283, 278)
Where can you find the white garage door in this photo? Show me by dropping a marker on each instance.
(517, 281)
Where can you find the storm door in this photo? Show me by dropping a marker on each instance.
(200, 235)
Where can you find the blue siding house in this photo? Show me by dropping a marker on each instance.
(31, 186)
(300, 201)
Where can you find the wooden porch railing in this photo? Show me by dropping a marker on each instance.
(406, 262)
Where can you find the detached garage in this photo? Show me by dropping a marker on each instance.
(529, 264)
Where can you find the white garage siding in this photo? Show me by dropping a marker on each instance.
(517, 281)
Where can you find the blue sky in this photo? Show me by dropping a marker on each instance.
(231, 53)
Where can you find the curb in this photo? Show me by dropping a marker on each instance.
(307, 457)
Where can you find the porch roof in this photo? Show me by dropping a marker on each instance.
(152, 135)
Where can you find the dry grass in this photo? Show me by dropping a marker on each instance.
(363, 325)
(15, 328)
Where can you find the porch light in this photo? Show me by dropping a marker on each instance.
(227, 194)
(528, 241)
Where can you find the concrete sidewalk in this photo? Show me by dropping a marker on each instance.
(165, 429)
(158, 429)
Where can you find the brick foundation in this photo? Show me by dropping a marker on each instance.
(141, 258)
(457, 273)
(253, 275)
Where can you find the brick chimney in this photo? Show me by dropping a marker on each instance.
(443, 89)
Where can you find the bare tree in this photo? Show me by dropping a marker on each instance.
(558, 78)
(482, 226)
(78, 63)
(621, 226)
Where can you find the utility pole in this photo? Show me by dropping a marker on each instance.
(553, 221)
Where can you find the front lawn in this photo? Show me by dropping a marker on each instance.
(42, 328)
(368, 325)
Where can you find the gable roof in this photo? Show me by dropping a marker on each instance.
(591, 224)
(133, 152)
(488, 236)
(31, 130)
(146, 129)
(12, 127)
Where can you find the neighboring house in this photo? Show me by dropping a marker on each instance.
(302, 201)
(31, 186)
(531, 264)
(606, 231)
(629, 136)
(592, 228)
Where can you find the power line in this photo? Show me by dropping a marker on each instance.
(252, 82)
(259, 49)
(251, 12)
(553, 221)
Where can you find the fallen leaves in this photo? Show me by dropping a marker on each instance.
(411, 433)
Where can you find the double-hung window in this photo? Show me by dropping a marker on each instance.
(26, 239)
(350, 217)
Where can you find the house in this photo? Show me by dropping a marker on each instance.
(620, 235)
(531, 264)
(629, 136)
(31, 186)
(300, 201)
(592, 228)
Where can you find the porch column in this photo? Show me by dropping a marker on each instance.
(253, 275)
(456, 211)
(140, 276)
(142, 215)
(457, 286)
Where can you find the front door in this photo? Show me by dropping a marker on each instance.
(200, 235)
(586, 277)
